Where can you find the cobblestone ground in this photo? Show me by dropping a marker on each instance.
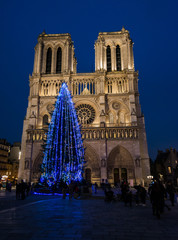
(45, 217)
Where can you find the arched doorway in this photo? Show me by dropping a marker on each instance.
(36, 169)
(120, 166)
(92, 162)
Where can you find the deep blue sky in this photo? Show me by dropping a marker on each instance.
(153, 27)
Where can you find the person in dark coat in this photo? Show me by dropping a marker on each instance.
(143, 195)
(22, 189)
(171, 191)
(156, 199)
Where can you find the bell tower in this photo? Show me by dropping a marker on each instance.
(114, 51)
(54, 54)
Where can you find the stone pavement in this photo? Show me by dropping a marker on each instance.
(51, 218)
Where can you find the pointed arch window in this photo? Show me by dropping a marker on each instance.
(45, 120)
(48, 61)
(118, 58)
(111, 118)
(108, 55)
(59, 60)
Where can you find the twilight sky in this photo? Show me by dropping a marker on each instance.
(153, 26)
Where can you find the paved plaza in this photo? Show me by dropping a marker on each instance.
(51, 217)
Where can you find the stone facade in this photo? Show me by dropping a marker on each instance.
(107, 104)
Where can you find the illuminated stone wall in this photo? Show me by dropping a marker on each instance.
(107, 102)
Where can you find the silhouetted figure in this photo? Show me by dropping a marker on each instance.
(18, 193)
(64, 189)
(76, 190)
(143, 195)
(71, 190)
(22, 188)
(28, 188)
(96, 187)
(109, 195)
(171, 191)
(8, 186)
(124, 191)
(129, 198)
(137, 195)
(156, 199)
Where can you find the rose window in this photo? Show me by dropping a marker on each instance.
(85, 113)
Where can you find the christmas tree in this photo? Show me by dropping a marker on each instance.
(64, 151)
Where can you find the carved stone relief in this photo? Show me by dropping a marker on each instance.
(116, 106)
(50, 108)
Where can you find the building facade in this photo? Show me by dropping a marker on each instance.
(166, 165)
(107, 104)
(9, 160)
(5, 165)
(14, 158)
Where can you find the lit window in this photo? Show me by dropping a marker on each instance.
(19, 155)
(169, 169)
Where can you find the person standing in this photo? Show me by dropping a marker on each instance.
(96, 187)
(171, 191)
(143, 194)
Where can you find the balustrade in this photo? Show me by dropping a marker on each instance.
(110, 133)
(83, 87)
(91, 133)
(36, 135)
(117, 85)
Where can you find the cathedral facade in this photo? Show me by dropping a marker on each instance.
(107, 105)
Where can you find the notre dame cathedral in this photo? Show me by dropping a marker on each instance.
(107, 105)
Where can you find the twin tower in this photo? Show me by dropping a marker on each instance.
(107, 105)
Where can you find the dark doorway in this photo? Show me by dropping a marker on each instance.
(88, 174)
(124, 174)
(116, 175)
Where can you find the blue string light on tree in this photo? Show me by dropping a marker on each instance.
(64, 151)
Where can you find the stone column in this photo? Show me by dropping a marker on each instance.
(131, 55)
(96, 60)
(44, 60)
(128, 55)
(39, 57)
(53, 61)
(101, 56)
(35, 60)
(103, 169)
(67, 57)
(72, 58)
(113, 58)
(104, 62)
(122, 57)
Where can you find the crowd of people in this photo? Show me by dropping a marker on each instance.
(156, 193)
(22, 190)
